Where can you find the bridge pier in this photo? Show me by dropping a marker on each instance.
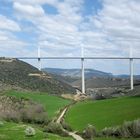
(131, 74)
(39, 59)
(39, 64)
(83, 75)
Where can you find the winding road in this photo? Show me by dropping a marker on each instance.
(60, 117)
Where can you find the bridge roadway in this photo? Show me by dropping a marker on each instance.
(64, 57)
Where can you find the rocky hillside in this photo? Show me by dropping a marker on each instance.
(16, 73)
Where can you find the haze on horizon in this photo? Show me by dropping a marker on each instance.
(62, 27)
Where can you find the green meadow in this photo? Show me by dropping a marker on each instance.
(112, 138)
(103, 113)
(52, 104)
(12, 131)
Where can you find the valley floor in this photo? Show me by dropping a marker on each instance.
(101, 114)
(12, 131)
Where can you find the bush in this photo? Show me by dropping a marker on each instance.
(30, 131)
(99, 96)
(41, 118)
(136, 128)
(34, 114)
(66, 126)
(1, 123)
(111, 131)
(107, 131)
(89, 132)
(126, 130)
(13, 109)
(55, 128)
(11, 116)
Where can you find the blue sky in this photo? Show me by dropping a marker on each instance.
(62, 27)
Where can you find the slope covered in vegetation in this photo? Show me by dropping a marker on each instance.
(104, 113)
(52, 104)
(16, 73)
(12, 131)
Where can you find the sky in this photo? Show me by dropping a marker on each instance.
(63, 27)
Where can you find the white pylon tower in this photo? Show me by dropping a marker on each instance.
(83, 69)
(131, 68)
(39, 60)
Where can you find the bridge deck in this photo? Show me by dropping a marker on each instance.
(63, 57)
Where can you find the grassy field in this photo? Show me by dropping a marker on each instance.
(52, 104)
(111, 138)
(12, 131)
(103, 113)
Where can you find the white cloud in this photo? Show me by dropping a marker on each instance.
(65, 29)
(37, 2)
(63, 33)
(28, 10)
(61, 30)
(120, 21)
(120, 18)
(11, 46)
(8, 24)
(116, 19)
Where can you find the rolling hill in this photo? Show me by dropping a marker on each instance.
(18, 74)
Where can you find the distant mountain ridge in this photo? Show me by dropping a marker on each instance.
(77, 72)
(94, 78)
(126, 76)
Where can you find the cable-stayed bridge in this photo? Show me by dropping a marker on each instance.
(82, 58)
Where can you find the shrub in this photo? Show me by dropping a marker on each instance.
(13, 109)
(110, 131)
(55, 128)
(1, 123)
(89, 132)
(11, 116)
(41, 118)
(107, 131)
(66, 126)
(30, 131)
(99, 96)
(126, 130)
(136, 128)
(34, 114)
